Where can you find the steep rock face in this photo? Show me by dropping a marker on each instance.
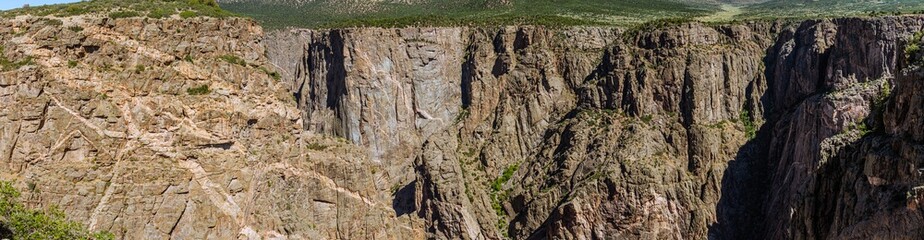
(835, 70)
(644, 154)
(680, 132)
(760, 130)
(868, 182)
(155, 129)
(411, 87)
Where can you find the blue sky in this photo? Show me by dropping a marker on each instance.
(10, 4)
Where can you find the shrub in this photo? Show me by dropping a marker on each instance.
(210, 3)
(647, 119)
(74, 10)
(498, 183)
(316, 146)
(7, 65)
(124, 14)
(750, 129)
(159, 13)
(188, 14)
(200, 90)
(52, 22)
(23, 223)
(913, 49)
(498, 196)
(463, 114)
(233, 60)
(274, 75)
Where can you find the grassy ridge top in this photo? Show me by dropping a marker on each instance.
(334, 14)
(274, 14)
(343, 13)
(126, 8)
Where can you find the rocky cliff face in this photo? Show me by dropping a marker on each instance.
(679, 132)
(155, 129)
(177, 129)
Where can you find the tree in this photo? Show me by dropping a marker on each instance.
(19, 222)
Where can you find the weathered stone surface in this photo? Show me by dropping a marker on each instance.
(767, 130)
(603, 133)
(102, 124)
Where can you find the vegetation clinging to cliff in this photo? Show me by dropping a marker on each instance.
(19, 222)
(913, 49)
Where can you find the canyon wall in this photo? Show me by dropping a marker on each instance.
(679, 132)
(181, 129)
(157, 129)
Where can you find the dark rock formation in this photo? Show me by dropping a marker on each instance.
(682, 132)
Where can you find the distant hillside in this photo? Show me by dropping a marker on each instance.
(390, 13)
(340, 13)
(830, 8)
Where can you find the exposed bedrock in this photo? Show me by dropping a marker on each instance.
(178, 129)
(679, 132)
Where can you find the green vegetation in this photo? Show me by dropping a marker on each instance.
(656, 24)
(75, 28)
(317, 146)
(125, 9)
(498, 196)
(750, 129)
(647, 118)
(885, 91)
(139, 69)
(161, 13)
(7, 64)
(864, 130)
(275, 75)
(463, 114)
(188, 14)
(233, 60)
(24, 223)
(200, 90)
(52, 22)
(124, 14)
(499, 182)
(335, 14)
(718, 125)
(555, 13)
(913, 49)
(878, 107)
(71, 63)
(339, 14)
(601, 118)
(799, 9)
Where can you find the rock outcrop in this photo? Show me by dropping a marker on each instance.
(155, 129)
(678, 132)
(178, 129)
